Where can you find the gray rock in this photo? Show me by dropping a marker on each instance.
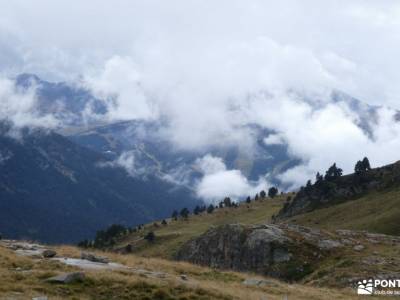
(184, 277)
(40, 298)
(268, 233)
(329, 244)
(94, 258)
(148, 273)
(374, 260)
(264, 249)
(258, 282)
(281, 255)
(347, 241)
(158, 274)
(48, 253)
(345, 232)
(358, 248)
(89, 265)
(67, 278)
(283, 251)
(372, 241)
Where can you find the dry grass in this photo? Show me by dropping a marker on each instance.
(170, 237)
(23, 278)
(376, 212)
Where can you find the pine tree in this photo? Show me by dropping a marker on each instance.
(210, 209)
(308, 186)
(366, 165)
(358, 168)
(272, 192)
(333, 172)
(318, 178)
(362, 166)
(150, 236)
(227, 202)
(184, 213)
(248, 200)
(196, 210)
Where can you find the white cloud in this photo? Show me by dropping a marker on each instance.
(353, 43)
(210, 164)
(120, 85)
(210, 69)
(274, 139)
(218, 182)
(127, 161)
(20, 107)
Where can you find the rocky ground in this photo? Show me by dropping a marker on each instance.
(297, 253)
(88, 261)
(40, 272)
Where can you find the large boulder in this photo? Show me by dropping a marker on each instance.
(281, 251)
(295, 253)
(67, 278)
(94, 258)
(49, 253)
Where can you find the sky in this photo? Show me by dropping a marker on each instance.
(213, 67)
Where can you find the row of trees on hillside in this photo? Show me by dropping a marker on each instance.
(105, 238)
(326, 183)
(108, 237)
(226, 202)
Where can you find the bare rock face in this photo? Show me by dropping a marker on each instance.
(49, 253)
(266, 249)
(94, 258)
(291, 252)
(258, 282)
(67, 278)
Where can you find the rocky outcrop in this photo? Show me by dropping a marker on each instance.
(344, 188)
(285, 251)
(94, 258)
(49, 253)
(67, 278)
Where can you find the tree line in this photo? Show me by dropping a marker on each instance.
(108, 237)
(226, 202)
(324, 183)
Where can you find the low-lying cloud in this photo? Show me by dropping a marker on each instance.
(211, 71)
(19, 107)
(218, 182)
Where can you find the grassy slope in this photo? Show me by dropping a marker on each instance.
(24, 278)
(169, 238)
(376, 212)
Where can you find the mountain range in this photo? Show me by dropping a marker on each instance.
(88, 173)
(54, 190)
